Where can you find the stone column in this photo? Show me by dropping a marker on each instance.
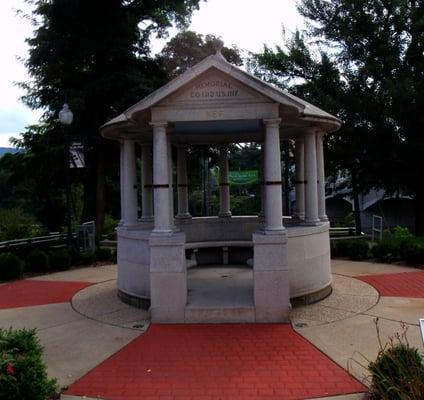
(273, 205)
(321, 177)
(224, 184)
(130, 184)
(171, 184)
(146, 184)
(300, 179)
(121, 179)
(270, 271)
(168, 273)
(161, 179)
(311, 184)
(182, 183)
(262, 182)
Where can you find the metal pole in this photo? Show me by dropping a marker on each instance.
(69, 238)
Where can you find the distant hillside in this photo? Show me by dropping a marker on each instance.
(4, 150)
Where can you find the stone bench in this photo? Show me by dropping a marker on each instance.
(223, 244)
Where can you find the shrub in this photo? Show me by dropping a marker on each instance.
(346, 222)
(75, 255)
(388, 250)
(60, 259)
(334, 248)
(358, 249)
(397, 373)
(88, 257)
(412, 251)
(17, 224)
(109, 225)
(11, 266)
(343, 247)
(103, 254)
(37, 260)
(22, 372)
(401, 233)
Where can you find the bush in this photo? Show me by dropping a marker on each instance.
(346, 222)
(397, 373)
(109, 226)
(37, 260)
(103, 254)
(17, 224)
(388, 250)
(358, 249)
(88, 257)
(412, 251)
(60, 259)
(355, 249)
(22, 372)
(75, 255)
(11, 266)
(401, 233)
(343, 248)
(334, 248)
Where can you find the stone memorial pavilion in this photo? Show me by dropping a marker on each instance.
(258, 265)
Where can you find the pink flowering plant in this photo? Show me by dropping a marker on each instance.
(22, 372)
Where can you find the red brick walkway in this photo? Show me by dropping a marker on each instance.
(211, 362)
(33, 293)
(404, 284)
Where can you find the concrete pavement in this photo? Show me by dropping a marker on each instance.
(77, 336)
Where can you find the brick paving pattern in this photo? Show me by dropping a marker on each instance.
(404, 284)
(27, 293)
(211, 362)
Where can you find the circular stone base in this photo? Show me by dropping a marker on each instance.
(100, 302)
(349, 297)
(312, 298)
(134, 301)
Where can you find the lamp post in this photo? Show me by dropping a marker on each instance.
(65, 117)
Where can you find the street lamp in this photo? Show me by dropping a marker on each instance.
(65, 117)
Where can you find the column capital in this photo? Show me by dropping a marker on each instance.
(159, 124)
(272, 122)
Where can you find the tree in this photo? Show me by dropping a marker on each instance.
(94, 55)
(363, 61)
(188, 48)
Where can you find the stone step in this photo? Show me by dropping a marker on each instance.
(219, 315)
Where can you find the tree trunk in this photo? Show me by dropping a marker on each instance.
(419, 211)
(100, 191)
(357, 211)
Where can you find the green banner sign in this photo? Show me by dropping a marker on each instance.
(246, 177)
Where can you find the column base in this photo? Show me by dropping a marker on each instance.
(147, 219)
(311, 222)
(130, 225)
(162, 232)
(298, 217)
(278, 231)
(183, 216)
(323, 218)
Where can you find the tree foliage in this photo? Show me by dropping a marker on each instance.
(95, 56)
(364, 62)
(188, 48)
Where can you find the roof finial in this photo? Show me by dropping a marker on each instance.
(218, 44)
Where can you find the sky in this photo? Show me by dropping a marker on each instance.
(246, 23)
